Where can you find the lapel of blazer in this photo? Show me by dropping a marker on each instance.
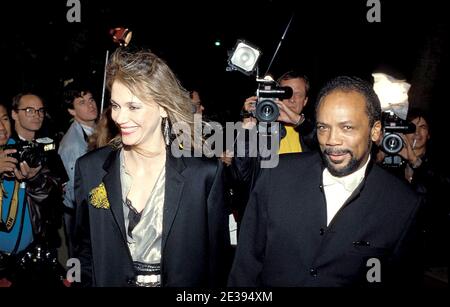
(114, 189)
(359, 188)
(321, 202)
(173, 191)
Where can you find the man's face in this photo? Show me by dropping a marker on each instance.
(84, 109)
(419, 138)
(343, 132)
(5, 126)
(196, 101)
(30, 120)
(298, 100)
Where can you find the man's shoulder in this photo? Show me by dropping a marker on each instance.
(199, 165)
(292, 164)
(300, 160)
(70, 138)
(396, 189)
(200, 161)
(385, 178)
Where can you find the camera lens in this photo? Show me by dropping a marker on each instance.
(267, 110)
(392, 143)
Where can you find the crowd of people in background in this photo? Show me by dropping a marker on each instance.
(112, 194)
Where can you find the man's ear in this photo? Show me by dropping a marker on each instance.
(14, 115)
(306, 101)
(71, 112)
(375, 132)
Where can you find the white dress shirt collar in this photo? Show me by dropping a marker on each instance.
(349, 182)
(338, 189)
(88, 130)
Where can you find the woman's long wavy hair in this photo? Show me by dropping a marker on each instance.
(105, 131)
(146, 75)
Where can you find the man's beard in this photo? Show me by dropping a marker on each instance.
(351, 166)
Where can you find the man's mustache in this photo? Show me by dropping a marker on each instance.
(336, 151)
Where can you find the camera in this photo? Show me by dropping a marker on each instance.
(266, 109)
(35, 153)
(244, 58)
(392, 142)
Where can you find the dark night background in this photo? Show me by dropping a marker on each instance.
(40, 48)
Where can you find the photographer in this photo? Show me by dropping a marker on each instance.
(15, 224)
(39, 203)
(296, 133)
(428, 179)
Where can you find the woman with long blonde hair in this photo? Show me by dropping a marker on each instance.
(146, 217)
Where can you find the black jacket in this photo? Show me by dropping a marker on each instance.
(431, 181)
(243, 171)
(246, 169)
(44, 197)
(285, 241)
(195, 237)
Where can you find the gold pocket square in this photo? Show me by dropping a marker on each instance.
(98, 197)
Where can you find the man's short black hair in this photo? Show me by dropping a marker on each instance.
(2, 104)
(72, 91)
(354, 84)
(414, 113)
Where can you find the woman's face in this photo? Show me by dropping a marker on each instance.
(139, 122)
(5, 126)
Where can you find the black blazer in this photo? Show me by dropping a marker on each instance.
(284, 239)
(195, 238)
(245, 170)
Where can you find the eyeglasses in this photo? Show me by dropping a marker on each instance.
(30, 111)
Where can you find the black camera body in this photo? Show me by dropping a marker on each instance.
(35, 153)
(392, 142)
(266, 109)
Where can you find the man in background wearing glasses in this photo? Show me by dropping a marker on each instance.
(45, 180)
(296, 135)
(28, 114)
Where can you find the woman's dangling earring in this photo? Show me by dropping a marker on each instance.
(166, 130)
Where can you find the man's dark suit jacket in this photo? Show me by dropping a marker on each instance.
(195, 237)
(244, 171)
(285, 241)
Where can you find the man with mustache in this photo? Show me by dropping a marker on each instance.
(331, 219)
